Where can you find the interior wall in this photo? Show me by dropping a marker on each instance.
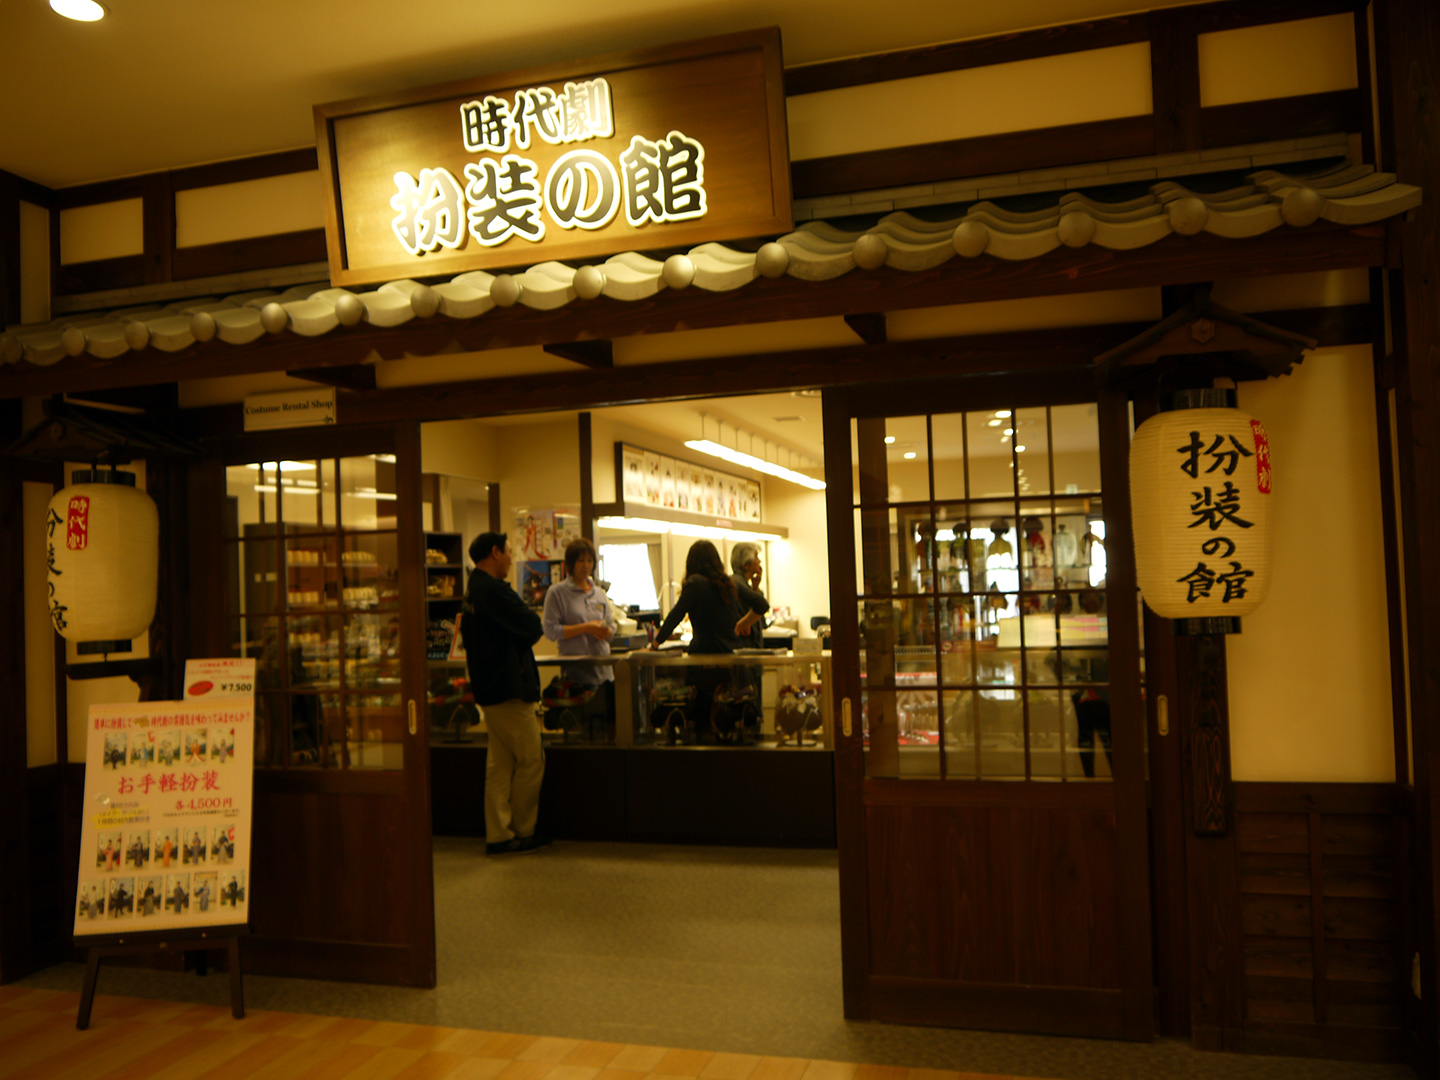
(539, 467)
(34, 263)
(1310, 673)
(249, 208)
(460, 448)
(102, 231)
(798, 574)
(1256, 63)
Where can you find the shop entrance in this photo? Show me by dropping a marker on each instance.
(318, 577)
(990, 749)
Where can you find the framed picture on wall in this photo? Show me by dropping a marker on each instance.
(667, 483)
(652, 479)
(752, 501)
(632, 468)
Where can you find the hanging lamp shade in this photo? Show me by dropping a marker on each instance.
(104, 555)
(1200, 493)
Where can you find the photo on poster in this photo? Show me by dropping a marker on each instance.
(203, 891)
(142, 749)
(632, 467)
(177, 893)
(536, 538)
(682, 486)
(137, 849)
(222, 845)
(667, 483)
(232, 888)
(169, 753)
(116, 749)
(121, 902)
(108, 845)
(732, 498)
(567, 529)
(92, 899)
(708, 486)
(193, 845)
(195, 747)
(167, 846)
(222, 747)
(533, 581)
(652, 479)
(149, 890)
(697, 489)
(753, 499)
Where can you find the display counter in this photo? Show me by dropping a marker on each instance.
(753, 765)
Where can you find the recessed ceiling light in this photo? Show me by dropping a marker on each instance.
(79, 10)
(1019, 449)
(995, 423)
(1009, 431)
(889, 439)
(1003, 414)
(909, 454)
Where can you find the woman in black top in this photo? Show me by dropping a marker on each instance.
(721, 612)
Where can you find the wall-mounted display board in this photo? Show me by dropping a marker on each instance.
(665, 147)
(165, 837)
(645, 478)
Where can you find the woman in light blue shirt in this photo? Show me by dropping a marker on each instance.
(577, 616)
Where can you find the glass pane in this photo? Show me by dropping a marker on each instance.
(1046, 758)
(991, 466)
(961, 759)
(1087, 666)
(997, 667)
(948, 437)
(260, 638)
(902, 733)
(271, 722)
(312, 574)
(369, 572)
(916, 549)
(1090, 710)
(251, 491)
(880, 732)
(907, 453)
(1032, 451)
(260, 583)
(376, 726)
(1000, 717)
(301, 496)
(1075, 447)
(876, 548)
(997, 619)
(1083, 621)
(897, 642)
(1036, 544)
(372, 659)
(367, 492)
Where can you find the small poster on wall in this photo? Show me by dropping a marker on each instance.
(632, 466)
(708, 487)
(652, 479)
(667, 483)
(752, 501)
(165, 838)
(534, 536)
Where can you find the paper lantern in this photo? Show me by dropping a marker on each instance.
(1200, 491)
(104, 555)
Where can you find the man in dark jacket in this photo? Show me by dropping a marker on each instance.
(499, 632)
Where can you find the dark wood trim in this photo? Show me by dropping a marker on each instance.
(849, 747)
(1281, 118)
(879, 791)
(1340, 1042)
(587, 475)
(124, 272)
(104, 191)
(9, 249)
(329, 781)
(261, 167)
(999, 1007)
(333, 961)
(959, 55)
(591, 354)
(159, 227)
(28, 190)
(1319, 984)
(1236, 14)
(1365, 76)
(981, 155)
(869, 327)
(1254, 797)
(14, 801)
(348, 377)
(233, 256)
(1175, 79)
(492, 507)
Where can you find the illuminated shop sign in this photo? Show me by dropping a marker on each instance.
(661, 148)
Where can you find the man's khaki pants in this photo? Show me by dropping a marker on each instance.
(514, 767)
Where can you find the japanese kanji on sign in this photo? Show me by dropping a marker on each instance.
(165, 836)
(659, 148)
(1200, 490)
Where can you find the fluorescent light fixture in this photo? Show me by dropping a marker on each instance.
(1003, 414)
(994, 423)
(285, 466)
(1019, 449)
(749, 461)
(79, 10)
(371, 493)
(909, 454)
(629, 524)
(680, 528)
(889, 439)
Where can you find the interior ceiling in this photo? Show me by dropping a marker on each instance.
(161, 84)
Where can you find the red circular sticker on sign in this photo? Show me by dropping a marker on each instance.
(204, 686)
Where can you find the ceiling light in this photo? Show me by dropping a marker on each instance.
(79, 10)
(1019, 449)
(889, 439)
(994, 423)
(909, 454)
(1009, 431)
(1003, 414)
(750, 461)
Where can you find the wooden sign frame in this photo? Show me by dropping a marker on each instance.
(724, 93)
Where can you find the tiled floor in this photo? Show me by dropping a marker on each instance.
(131, 1038)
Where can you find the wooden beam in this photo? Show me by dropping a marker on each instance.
(869, 326)
(9, 249)
(346, 376)
(234, 256)
(591, 354)
(1175, 79)
(1174, 260)
(1282, 118)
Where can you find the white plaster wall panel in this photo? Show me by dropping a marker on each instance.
(103, 231)
(1254, 63)
(1097, 84)
(34, 263)
(249, 208)
(1310, 675)
(1000, 316)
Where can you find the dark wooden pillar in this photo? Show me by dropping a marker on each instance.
(1407, 49)
(587, 478)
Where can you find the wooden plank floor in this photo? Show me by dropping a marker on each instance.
(138, 1039)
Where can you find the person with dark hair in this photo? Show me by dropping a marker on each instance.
(499, 633)
(577, 616)
(721, 614)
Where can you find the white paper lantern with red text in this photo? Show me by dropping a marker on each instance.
(104, 554)
(1200, 495)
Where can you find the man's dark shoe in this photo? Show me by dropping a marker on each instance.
(537, 842)
(518, 845)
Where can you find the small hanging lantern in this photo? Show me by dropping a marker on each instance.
(1200, 488)
(104, 556)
